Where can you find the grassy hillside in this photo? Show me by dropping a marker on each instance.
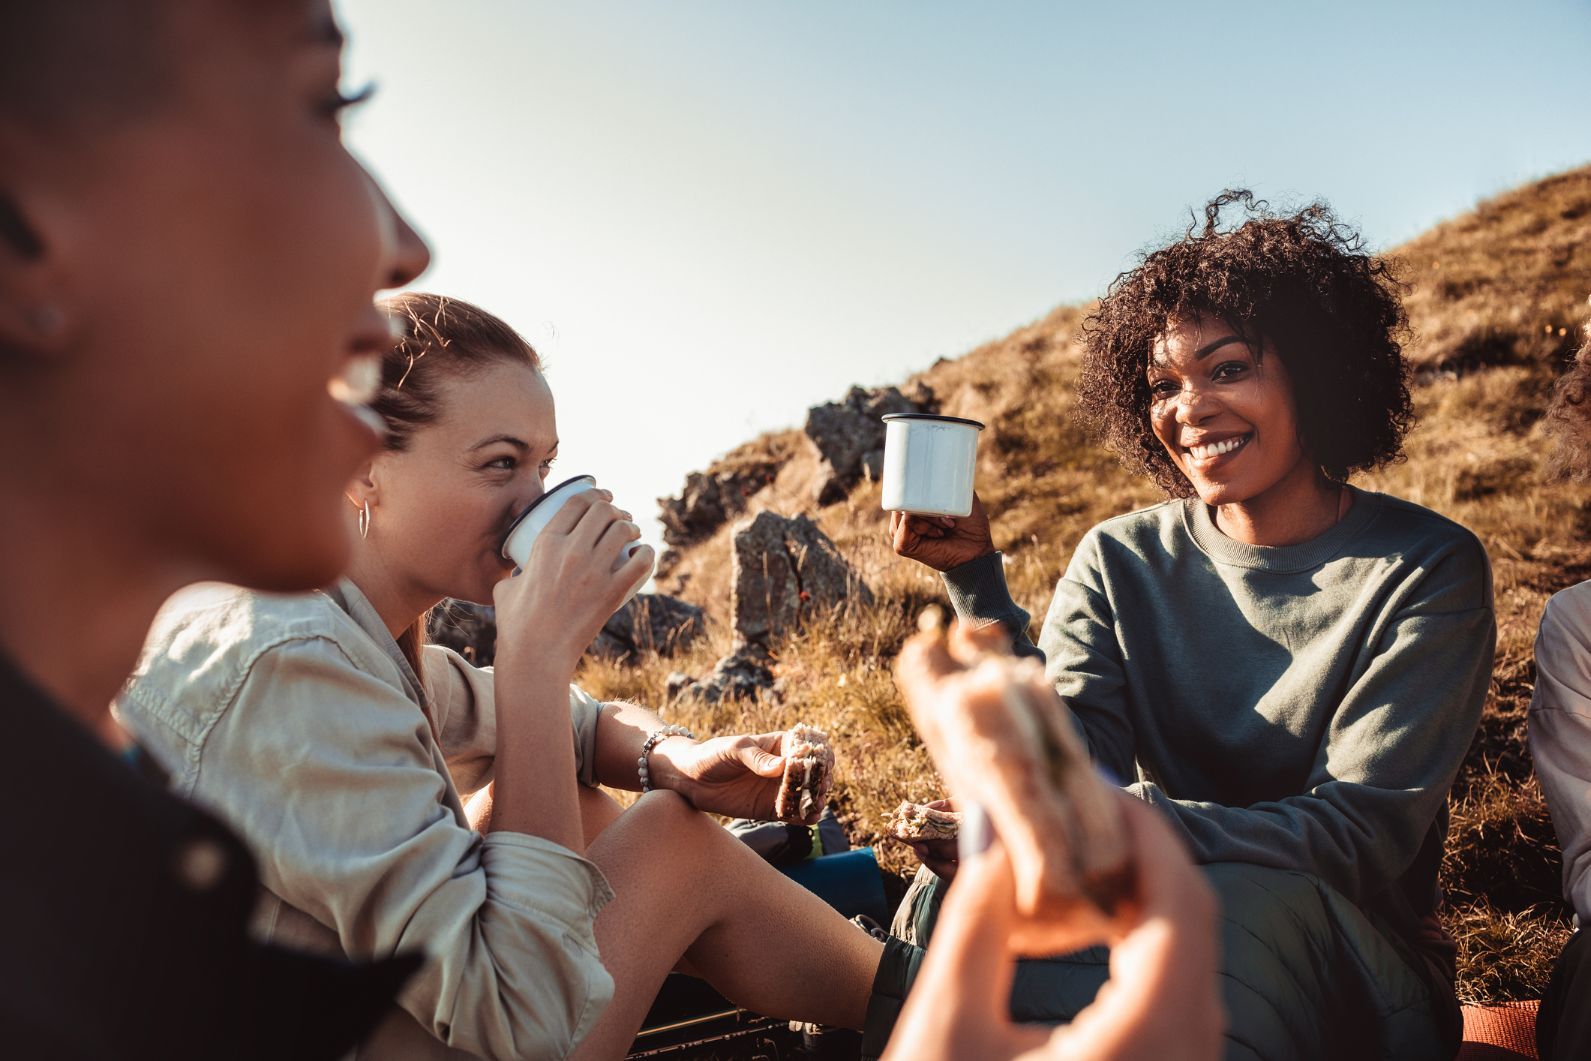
(1498, 300)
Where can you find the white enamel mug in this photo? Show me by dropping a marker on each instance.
(929, 463)
(529, 524)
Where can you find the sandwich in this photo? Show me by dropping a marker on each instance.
(1003, 739)
(915, 822)
(808, 773)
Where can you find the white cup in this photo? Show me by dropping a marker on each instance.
(529, 524)
(929, 463)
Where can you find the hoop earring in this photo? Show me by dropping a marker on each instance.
(364, 521)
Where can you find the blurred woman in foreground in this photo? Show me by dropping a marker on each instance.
(1288, 668)
(340, 744)
(188, 257)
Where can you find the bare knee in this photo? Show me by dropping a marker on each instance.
(661, 809)
(664, 818)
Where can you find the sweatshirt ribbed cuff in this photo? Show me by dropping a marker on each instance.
(980, 596)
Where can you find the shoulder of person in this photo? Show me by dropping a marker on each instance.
(1141, 532)
(232, 617)
(1422, 535)
(1432, 555)
(1567, 616)
(209, 638)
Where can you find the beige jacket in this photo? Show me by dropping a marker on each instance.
(1560, 734)
(297, 719)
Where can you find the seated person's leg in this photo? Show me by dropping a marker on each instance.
(685, 888)
(1563, 1028)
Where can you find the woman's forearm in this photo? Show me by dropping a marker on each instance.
(621, 733)
(535, 789)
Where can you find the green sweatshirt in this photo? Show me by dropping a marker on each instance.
(1303, 707)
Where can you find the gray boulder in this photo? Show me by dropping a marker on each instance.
(468, 629)
(786, 569)
(849, 435)
(649, 622)
(744, 674)
(710, 499)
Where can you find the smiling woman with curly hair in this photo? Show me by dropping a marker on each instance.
(1301, 285)
(1288, 667)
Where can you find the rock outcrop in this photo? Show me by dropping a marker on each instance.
(786, 571)
(711, 499)
(849, 435)
(468, 629)
(742, 675)
(650, 621)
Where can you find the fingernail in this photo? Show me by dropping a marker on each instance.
(975, 835)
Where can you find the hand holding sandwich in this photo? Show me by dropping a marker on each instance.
(781, 776)
(1161, 1003)
(737, 776)
(1052, 860)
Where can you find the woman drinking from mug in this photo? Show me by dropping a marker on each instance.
(171, 176)
(339, 743)
(1288, 667)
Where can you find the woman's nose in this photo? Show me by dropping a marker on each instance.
(1192, 405)
(532, 492)
(404, 254)
(411, 256)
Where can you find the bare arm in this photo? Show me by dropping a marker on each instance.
(573, 580)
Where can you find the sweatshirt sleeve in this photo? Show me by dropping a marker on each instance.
(1392, 747)
(1083, 660)
(980, 596)
(1560, 735)
(327, 771)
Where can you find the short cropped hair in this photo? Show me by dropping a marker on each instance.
(1301, 282)
(70, 64)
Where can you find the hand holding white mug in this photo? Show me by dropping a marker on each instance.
(1161, 1003)
(573, 580)
(942, 542)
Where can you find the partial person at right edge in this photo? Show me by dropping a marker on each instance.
(1288, 668)
(1560, 739)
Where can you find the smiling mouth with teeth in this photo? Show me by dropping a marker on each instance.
(1216, 449)
(356, 386)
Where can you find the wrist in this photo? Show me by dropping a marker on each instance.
(656, 767)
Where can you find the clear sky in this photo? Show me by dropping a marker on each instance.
(712, 214)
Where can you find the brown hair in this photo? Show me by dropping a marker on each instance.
(443, 338)
(1569, 415)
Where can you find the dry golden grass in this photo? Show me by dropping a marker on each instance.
(1499, 295)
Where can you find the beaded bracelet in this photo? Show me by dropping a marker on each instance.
(652, 742)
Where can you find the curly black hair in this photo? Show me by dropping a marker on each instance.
(1301, 283)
